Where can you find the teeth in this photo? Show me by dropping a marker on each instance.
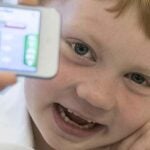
(89, 121)
(66, 119)
(69, 111)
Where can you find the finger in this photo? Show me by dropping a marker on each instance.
(143, 142)
(130, 142)
(127, 143)
(29, 2)
(6, 79)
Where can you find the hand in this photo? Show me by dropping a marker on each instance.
(140, 140)
(6, 79)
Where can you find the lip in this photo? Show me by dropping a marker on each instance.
(73, 130)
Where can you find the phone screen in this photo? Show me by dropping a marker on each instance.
(19, 39)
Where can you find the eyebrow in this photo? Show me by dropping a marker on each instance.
(142, 69)
(89, 36)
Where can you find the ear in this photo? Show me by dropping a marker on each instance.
(29, 2)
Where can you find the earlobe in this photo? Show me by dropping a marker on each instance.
(29, 2)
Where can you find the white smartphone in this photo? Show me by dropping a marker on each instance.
(29, 40)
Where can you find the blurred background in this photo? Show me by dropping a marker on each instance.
(10, 1)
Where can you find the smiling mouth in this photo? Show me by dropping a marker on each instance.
(71, 123)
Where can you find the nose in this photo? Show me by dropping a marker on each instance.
(100, 94)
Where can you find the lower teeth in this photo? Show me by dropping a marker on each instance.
(66, 119)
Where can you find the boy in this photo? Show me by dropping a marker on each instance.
(100, 98)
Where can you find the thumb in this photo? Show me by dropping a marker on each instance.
(133, 142)
(6, 79)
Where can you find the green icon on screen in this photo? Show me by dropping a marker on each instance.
(31, 50)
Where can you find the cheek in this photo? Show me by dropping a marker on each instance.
(42, 92)
(134, 112)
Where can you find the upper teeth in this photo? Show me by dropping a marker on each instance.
(90, 121)
(89, 125)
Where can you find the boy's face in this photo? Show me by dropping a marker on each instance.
(102, 88)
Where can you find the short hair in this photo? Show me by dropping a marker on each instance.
(143, 10)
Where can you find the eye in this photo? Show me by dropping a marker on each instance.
(138, 79)
(82, 49)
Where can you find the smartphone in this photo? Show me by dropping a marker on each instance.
(29, 40)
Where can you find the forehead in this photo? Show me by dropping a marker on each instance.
(92, 16)
(90, 20)
(95, 12)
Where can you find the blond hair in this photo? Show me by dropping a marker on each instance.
(143, 7)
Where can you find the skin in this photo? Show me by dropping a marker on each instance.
(100, 84)
(29, 2)
(7, 79)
